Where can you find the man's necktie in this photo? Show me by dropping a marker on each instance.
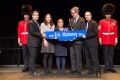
(87, 26)
(75, 21)
(37, 23)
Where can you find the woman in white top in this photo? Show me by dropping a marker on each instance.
(47, 44)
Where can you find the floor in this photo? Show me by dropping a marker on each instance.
(14, 73)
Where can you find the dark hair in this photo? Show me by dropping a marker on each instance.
(51, 22)
(35, 11)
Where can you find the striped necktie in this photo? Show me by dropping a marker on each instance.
(75, 21)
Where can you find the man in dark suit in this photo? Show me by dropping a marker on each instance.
(76, 23)
(91, 45)
(34, 37)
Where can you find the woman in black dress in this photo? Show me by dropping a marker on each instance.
(60, 49)
(47, 44)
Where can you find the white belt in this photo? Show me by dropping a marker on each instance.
(111, 33)
(24, 33)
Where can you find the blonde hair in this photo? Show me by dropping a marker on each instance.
(60, 21)
(76, 9)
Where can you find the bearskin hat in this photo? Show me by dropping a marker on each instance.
(26, 9)
(108, 9)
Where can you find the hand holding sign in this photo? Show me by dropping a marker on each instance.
(43, 35)
(84, 36)
(55, 38)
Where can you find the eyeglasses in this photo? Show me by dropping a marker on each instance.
(87, 15)
(72, 13)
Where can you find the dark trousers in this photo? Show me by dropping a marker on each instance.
(33, 55)
(108, 51)
(26, 56)
(91, 55)
(76, 56)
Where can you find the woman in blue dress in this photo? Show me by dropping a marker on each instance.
(60, 49)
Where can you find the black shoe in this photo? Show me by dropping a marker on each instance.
(71, 72)
(98, 75)
(47, 73)
(35, 73)
(25, 70)
(63, 73)
(50, 72)
(58, 73)
(78, 72)
(113, 71)
(30, 72)
(89, 74)
(106, 70)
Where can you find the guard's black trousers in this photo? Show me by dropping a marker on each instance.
(108, 51)
(26, 56)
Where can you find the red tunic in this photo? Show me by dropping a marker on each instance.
(108, 32)
(23, 32)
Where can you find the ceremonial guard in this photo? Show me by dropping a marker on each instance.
(23, 34)
(108, 36)
(76, 23)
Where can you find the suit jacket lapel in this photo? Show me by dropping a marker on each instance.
(77, 21)
(89, 24)
(72, 21)
(35, 24)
